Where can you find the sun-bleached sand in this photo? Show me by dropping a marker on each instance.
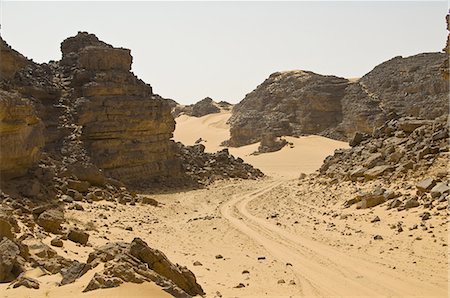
(279, 236)
(304, 156)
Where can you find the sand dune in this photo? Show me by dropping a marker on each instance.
(306, 156)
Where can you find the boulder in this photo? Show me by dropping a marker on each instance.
(9, 267)
(27, 282)
(426, 185)
(51, 220)
(78, 236)
(73, 272)
(158, 262)
(372, 200)
(439, 189)
(80, 186)
(377, 171)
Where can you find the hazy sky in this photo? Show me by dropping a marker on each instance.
(190, 50)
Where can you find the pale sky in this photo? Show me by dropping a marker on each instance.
(190, 50)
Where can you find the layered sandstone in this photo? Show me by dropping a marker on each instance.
(11, 61)
(124, 126)
(288, 103)
(21, 135)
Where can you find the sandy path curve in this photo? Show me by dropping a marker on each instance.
(321, 270)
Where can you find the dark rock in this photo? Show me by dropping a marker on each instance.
(426, 185)
(51, 220)
(9, 267)
(28, 282)
(78, 236)
(57, 242)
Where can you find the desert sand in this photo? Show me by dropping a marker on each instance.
(274, 237)
(304, 156)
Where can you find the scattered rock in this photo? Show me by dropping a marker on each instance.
(28, 282)
(78, 236)
(57, 242)
(51, 220)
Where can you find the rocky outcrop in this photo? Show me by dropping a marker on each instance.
(288, 103)
(270, 143)
(11, 61)
(21, 135)
(396, 149)
(9, 267)
(411, 86)
(445, 64)
(298, 102)
(137, 262)
(125, 128)
(206, 167)
(204, 107)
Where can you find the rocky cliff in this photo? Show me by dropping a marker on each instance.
(288, 103)
(125, 128)
(21, 135)
(299, 102)
(445, 64)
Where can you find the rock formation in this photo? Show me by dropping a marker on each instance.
(204, 107)
(402, 149)
(21, 135)
(270, 143)
(398, 147)
(288, 103)
(299, 102)
(126, 129)
(445, 64)
(401, 85)
(83, 129)
(208, 167)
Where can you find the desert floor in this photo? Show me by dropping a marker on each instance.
(275, 237)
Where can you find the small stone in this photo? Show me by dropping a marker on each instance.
(378, 237)
(281, 281)
(425, 216)
(375, 219)
(240, 285)
(219, 257)
(57, 242)
(261, 258)
(197, 263)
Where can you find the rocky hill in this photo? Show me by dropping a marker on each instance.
(201, 108)
(301, 102)
(288, 103)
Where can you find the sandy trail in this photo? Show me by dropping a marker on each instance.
(320, 269)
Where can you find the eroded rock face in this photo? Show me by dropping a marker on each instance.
(299, 102)
(288, 103)
(21, 135)
(11, 61)
(204, 107)
(411, 86)
(445, 64)
(125, 127)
